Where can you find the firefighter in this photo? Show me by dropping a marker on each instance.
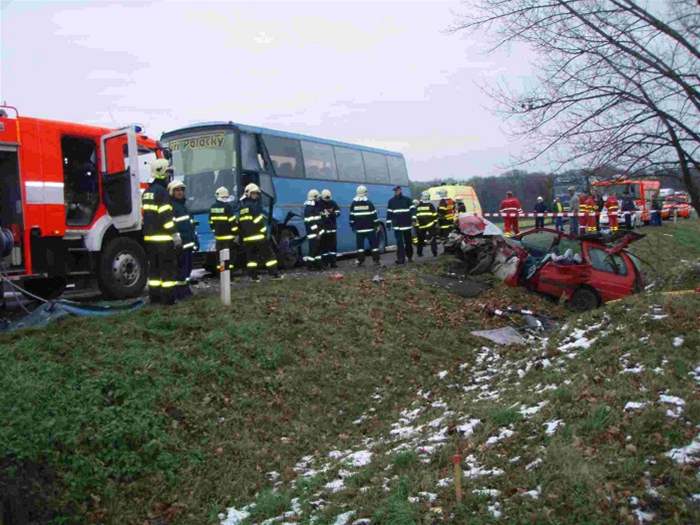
(612, 208)
(160, 236)
(425, 223)
(591, 208)
(185, 227)
(253, 234)
(364, 222)
(558, 210)
(446, 216)
(223, 222)
(330, 211)
(628, 208)
(314, 230)
(399, 217)
(510, 208)
(540, 211)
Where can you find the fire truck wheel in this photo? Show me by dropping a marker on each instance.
(48, 288)
(583, 299)
(122, 269)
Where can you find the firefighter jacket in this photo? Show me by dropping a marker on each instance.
(558, 207)
(400, 213)
(540, 207)
(184, 224)
(363, 215)
(446, 212)
(251, 221)
(330, 211)
(611, 205)
(158, 225)
(511, 207)
(313, 219)
(222, 221)
(426, 215)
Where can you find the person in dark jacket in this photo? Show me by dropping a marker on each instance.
(399, 217)
(628, 207)
(540, 210)
(446, 216)
(314, 230)
(160, 236)
(223, 222)
(364, 222)
(657, 205)
(425, 223)
(253, 235)
(330, 211)
(185, 227)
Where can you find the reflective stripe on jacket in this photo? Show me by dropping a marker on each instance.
(400, 213)
(251, 221)
(426, 215)
(158, 224)
(363, 216)
(312, 219)
(222, 221)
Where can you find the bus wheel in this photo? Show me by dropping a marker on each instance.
(287, 255)
(122, 268)
(381, 239)
(47, 288)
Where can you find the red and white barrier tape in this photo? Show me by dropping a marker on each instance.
(550, 214)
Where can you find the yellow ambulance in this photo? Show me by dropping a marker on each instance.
(457, 192)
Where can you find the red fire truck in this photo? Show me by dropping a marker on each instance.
(643, 191)
(70, 204)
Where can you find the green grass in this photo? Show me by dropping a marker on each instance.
(169, 416)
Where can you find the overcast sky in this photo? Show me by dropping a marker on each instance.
(379, 74)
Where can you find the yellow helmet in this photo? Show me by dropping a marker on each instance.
(222, 193)
(175, 185)
(251, 188)
(159, 168)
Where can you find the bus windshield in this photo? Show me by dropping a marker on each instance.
(204, 162)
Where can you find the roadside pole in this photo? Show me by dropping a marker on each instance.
(225, 277)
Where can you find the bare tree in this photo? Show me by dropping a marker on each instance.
(618, 80)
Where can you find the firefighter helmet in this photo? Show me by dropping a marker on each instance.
(425, 196)
(312, 195)
(361, 191)
(251, 188)
(326, 195)
(159, 168)
(175, 185)
(222, 193)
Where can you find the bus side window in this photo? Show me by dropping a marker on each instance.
(252, 156)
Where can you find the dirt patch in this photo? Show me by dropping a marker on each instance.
(462, 287)
(28, 491)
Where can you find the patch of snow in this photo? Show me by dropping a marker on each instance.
(678, 341)
(635, 405)
(344, 518)
(495, 510)
(671, 400)
(234, 516)
(534, 464)
(514, 460)
(467, 429)
(636, 369)
(359, 458)
(695, 498)
(504, 433)
(444, 482)
(695, 374)
(491, 493)
(475, 470)
(686, 455)
(363, 521)
(535, 493)
(360, 420)
(531, 411)
(552, 426)
(428, 496)
(335, 486)
(643, 516)
(442, 375)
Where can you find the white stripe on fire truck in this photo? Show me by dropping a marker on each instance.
(44, 192)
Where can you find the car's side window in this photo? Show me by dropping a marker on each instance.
(539, 242)
(601, 260)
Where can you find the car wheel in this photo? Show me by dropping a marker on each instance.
(122, 269)
(583, 299)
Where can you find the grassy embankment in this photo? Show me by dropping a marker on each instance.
(172, 415)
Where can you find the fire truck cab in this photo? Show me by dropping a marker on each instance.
(70, 204)
(642, 191)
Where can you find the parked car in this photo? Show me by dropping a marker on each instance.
(680, 202)
(586, 272)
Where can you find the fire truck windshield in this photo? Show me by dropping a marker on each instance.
(204, 162)
(621, 189)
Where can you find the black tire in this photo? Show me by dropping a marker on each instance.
(122, 269)
(287, 256)
(48, 288)
(584, 299)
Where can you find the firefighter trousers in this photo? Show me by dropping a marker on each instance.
(329, 241)
(184, 269)
(313, 257)
(404, 247)
(371, 237)
(426, 235)
(259, 256)
(162, 271)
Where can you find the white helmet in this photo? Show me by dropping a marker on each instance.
(222, 193)
(175, 185)
(251, 188)
(361, 191)
(425, 196)
(326, 194)
(312, 195)
(159, 168)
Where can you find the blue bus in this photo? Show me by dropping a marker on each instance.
(285, 166)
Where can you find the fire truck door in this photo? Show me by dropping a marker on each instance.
(120, 178)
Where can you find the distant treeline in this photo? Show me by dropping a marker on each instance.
(527, 186)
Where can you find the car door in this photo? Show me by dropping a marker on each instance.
(121, 190)
(610, 273)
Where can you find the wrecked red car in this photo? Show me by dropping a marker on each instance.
(586, 271)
